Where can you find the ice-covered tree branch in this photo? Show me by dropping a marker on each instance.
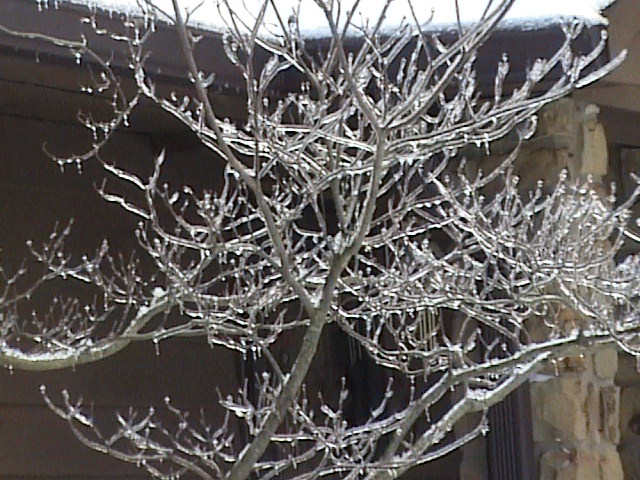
(348, 200)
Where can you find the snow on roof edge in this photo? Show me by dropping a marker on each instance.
(590, 15)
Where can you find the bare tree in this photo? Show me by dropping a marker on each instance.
(346, 201)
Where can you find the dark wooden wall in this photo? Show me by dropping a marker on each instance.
(38, 104)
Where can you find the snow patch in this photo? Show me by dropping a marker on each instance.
(211, 14)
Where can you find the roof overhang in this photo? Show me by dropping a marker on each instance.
(167, 65)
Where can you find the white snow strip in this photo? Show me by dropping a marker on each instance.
(525, 14)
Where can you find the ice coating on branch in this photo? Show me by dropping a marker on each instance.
(524, 14)
(455, 279)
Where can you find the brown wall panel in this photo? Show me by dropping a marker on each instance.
(34, 442)
(34, 195)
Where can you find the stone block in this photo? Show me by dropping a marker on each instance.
(539, 164)
(583, 463)
(595, 156)
(585, 466)
(576, 363)
(566, 404)
(610, 413)
(553, 462)
(610, 465)
(570, 465)
(537, 329)
(605, 363)
(568, 320)
(561, 117)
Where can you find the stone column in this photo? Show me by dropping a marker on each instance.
(628, 376)
(575, 401)
(628, 380)
(575, 418)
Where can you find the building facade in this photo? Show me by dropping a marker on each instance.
(577, 420)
